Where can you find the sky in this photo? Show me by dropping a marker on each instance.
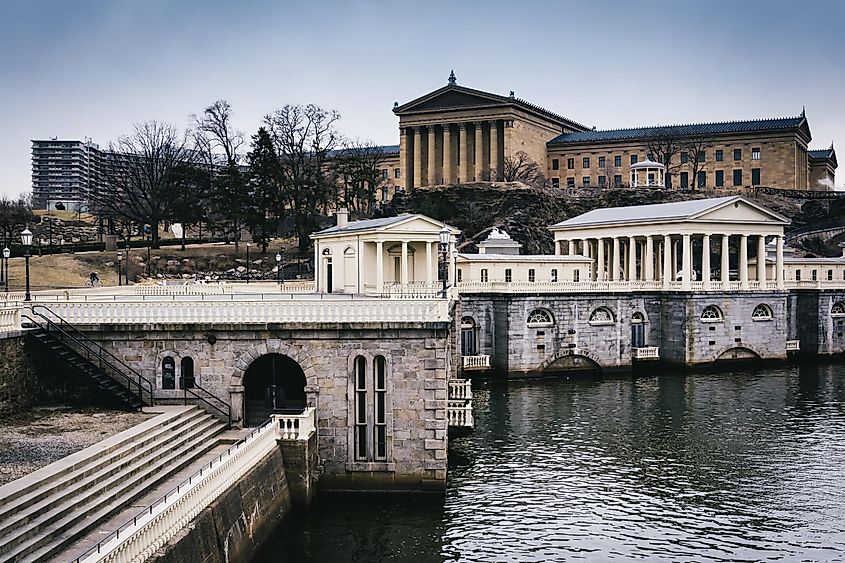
(92, 68)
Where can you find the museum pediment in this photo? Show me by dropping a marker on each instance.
(451, 98)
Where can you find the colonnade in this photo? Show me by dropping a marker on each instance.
(664, 258)
(452, 152)
(406, 254)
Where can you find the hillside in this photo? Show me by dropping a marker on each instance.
(526, 212)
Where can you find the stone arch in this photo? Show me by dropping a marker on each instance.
(177, 359)
(583, 360)
(732, 353)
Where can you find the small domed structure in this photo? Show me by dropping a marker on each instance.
(648, 174)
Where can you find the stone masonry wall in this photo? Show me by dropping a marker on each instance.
(17, 378)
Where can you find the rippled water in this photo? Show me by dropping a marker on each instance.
(738, 466)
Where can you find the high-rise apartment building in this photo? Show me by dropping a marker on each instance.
(64, 173)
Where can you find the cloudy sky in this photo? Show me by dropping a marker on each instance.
(93, 68)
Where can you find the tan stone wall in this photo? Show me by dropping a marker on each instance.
(820, 175)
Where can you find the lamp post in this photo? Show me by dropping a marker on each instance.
(279, 268)
(26, 239)
(119, 267)
(247, 262)
(455, 267)
(445, 235)
(6, 254)
(126, 273)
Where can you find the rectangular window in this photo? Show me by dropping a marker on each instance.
(702, 179)
(384, 172)
(585, 162)
(755, 176)
(720, 156)
(617, 180)
(531, 275)
(830, 275)
(700, 156)
(570, 182)
(576, 275)
(737, 179)
(797, 275)
(617, 160)
(585, 181)
(684, 158)
(602, 162)
(553, 276)
(380, 422)
(684, 180)
(814, 275)
(360, 408)
(460, 275)
(555, 182)
(570, 163)
(720, 178)
(397, 173)
(484, 275)
(634, 159)
(508, 275)
(737, 154)
(555, 164)
(602, 181)
(755, 153)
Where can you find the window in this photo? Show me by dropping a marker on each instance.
(712, 314)
(617, 160)
(484, 275)
(601, 316)
(720, 178)
(737, 178)
(585, 181)
(570, 163)
(830, 275)
(531, 275)
(555, 164)
(397, 173)
(602, 162)
(617, 180)
(555, 182)
(814, 275)
(540, 318)
(755, 153)
(508, 275)
(186, 380)
(634, 159)
(702, 179)
(553, 276)
(737, 154)
(361, 434)
(720, 155)
(684, 180)
(602, 181)
(761, 313)
(576, 275)
(585, 162)
(700, 156)
(380, 419)
(384, 173)
(755, 176)
(797, 275)
(684, 158)
(460, 275)
(570, 182)
(168, 373)
(649, 156)
(838, 309)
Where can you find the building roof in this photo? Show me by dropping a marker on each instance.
(381, 223)
(827, 154)
(686, 130)
(383, 149)
(658, 212)
(557, 258)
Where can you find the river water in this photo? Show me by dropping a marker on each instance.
(734, 466)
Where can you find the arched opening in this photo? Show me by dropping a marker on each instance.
(168, 373)
(187, 381)
(468, 337)
(637, 330)
(273, 384)
(572, 362)
(736, 354)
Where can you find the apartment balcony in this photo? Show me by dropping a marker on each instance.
(645, 353)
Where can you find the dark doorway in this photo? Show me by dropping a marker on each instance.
(273, 384)
(329, 276)
(637, 330)
(468, 339)
(187, 380)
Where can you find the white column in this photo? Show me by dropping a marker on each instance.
(648, 259)
(418, 179)
(403, 158)
(600, 260)
(667, 261)
(632, 259)
(379, 266)
(705, 261)
(318, 277)
(779, 261)
(404, 262)
(479, 152)
(463, 156)
(726, 261)
(614, 260)
(571, 249)
(429, 276)
(686, 258)
(495, 173)
(761, 261)
(743, 261)
(431, 172)
(447, 154)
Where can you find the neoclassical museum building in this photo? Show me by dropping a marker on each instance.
(457, 134)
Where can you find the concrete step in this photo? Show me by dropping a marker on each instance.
(60, 517)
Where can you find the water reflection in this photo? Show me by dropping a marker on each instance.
(745, 465)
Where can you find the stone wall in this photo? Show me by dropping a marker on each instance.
(820, 332)
(17, 378)
(238, 522)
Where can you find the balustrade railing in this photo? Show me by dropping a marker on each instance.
(646, 353)
(793, 345)
(297, 426)
(459, 414)
(10, 319)
(481, 361)
(460, 390)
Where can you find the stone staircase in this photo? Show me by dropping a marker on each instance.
(42, 514)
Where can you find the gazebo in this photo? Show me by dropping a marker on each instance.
(648, 174)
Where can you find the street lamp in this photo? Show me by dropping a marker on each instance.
(126, 273)
(445, 235)
(247, 262)
(455, 267)
(6, 254)
(279, 267)
(26, 240)
(119, 267)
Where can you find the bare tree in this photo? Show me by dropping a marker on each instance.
(358, 166)
(216, 133)
(14, 215)
(696, 149)
(303, 137)
(664, 143)
(142, 176)
(519, 167)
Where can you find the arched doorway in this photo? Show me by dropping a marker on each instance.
(273, 383)
(468, 337)
(637, 330)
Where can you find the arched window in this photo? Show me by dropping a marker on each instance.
(186, 380)
(380, 407)
(838, 309)
(540, 318)
(637, 318)
(370, 409)
(168, 373)
(601, 316)
(712, 314)
(360, 376)
(762, 312)
(468, 337)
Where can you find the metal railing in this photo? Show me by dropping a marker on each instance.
(209, 399)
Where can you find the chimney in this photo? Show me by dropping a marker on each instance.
(342, 218)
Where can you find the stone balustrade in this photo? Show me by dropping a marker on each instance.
(646, 353)
(459, 414)
(628, 286)
(10, 319)
(460, 389)
(479, 362)
(297, 426)
(793, 345)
